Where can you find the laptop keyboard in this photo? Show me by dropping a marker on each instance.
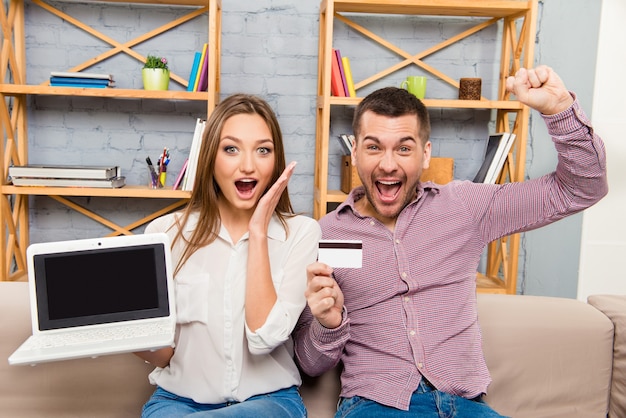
(68, 338)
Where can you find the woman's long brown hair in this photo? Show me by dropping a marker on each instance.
(206, 192)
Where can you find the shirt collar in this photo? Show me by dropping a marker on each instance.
(275, 229)
(359, 193)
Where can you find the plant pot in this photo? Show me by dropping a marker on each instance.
(155, 78)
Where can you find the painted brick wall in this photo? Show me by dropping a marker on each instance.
(269, 48)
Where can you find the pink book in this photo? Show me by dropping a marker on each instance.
(203, 84)
(181, 175)
(343, 74)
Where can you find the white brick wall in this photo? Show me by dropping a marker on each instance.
(269, 48)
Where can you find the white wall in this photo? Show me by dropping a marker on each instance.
(603, 247)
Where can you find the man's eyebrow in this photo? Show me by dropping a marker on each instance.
(403, 139)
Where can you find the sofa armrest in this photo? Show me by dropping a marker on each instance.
(614, 307)
(548, 357)
(107, 386)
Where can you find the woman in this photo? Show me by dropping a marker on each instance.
(240, 256)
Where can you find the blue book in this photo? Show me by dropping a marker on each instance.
(79, 85)
(194, 70)
(73, 80)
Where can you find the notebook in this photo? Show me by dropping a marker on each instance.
(99, 296)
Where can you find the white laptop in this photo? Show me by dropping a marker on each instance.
(99, 296)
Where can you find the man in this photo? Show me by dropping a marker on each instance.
(405, 325)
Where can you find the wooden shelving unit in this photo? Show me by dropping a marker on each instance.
(518, 19)
(14, 207)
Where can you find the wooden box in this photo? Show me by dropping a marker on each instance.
(441, 171)
(349, 176)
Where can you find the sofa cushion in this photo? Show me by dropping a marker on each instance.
(614, 307)
(548, 357)
(108, 386)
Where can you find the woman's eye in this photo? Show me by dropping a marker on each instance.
(264, 150)
(230, 149)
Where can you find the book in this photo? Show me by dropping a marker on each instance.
(80, 85)
(496, 144)
(190, 174)
(349, 80)
(181, 175)
(75, 74)
(336, 86)
(202, 58)
(194, 70)
(344, 142)
(75, 80)
(203, 83)
(501, 153)
(343, 74)
(61, 171)
(115, 182)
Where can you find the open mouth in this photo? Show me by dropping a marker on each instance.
(245, 187)
(388, 190)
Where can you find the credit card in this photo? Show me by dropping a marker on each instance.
(341, 253)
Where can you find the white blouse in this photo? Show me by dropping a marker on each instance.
(217, 357)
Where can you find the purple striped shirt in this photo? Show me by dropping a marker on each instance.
(410, 311)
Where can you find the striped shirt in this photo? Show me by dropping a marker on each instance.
(410, 311)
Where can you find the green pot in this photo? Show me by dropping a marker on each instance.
(155, 78)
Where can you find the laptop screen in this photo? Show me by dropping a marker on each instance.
(101, 285)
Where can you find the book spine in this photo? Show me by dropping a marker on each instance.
(204, 73)
(202, 58)
(73, 80)
(79, 85)
(344, 84)
(194, 70)
(181, 175)
(34, 172)
(190, 173)
(81, 75)
(336, 87)
(349, 80)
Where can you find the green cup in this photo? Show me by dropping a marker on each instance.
(416, 85)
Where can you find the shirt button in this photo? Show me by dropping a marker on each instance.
(406, 299)
(371, 223)
(420, 365)
(397, 241)
(412, 332)
(404, 275)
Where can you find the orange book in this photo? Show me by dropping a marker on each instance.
(336, 84)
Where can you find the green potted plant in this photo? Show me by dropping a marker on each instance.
(155, 73)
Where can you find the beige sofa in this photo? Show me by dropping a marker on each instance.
(548, 357)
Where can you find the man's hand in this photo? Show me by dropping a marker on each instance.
(540, 88)
(323, 295)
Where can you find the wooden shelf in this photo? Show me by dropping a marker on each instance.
(23, 89)
(14, 202)
(490, 8)
(518, 22)
(126, 191)
(434, 103)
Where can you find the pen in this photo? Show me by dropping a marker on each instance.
(153, 174)
(163, 161)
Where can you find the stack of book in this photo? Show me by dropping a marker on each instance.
(67, 176)
(199, 75)
(341, 82)
(77, 79)
(498, 147)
